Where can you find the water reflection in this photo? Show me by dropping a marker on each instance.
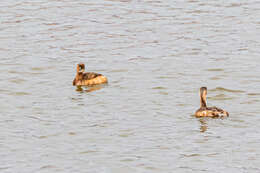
(204, 122)
(89, 89)
(203, 125)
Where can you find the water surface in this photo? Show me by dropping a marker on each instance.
(156, 55)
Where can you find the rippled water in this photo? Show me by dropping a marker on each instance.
(156, 55)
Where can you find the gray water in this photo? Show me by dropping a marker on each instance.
(156, 55)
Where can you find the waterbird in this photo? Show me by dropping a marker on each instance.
(205, 111)
(87, 78)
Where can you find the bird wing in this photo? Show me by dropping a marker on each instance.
(90, 75)
(217, 111)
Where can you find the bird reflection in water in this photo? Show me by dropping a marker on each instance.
(203, 125)
(89, 89)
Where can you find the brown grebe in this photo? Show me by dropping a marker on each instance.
(87, 78)
(205, 111)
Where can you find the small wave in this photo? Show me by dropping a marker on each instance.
(159, 88)
(48, 167)
(17, 81)
(88, 151)
(215, 78)
(166, 77)
(215, 69)
(191, 155)
(227, 90)
(253, 94)
(119, 70)
(20, 93)
(220, 97)
(37, 69)
(250, 102)
(163, 93)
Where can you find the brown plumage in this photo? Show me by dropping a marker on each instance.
(88, 78)
(205, 111)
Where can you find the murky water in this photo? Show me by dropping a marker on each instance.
(156, 55)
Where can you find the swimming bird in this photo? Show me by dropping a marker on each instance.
(87, 78)
(205, 111)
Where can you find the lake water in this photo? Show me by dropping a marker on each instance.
(156, 55)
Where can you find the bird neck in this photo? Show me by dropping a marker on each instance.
(203, 101)
(79, 75)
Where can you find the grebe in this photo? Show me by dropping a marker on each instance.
(88, 78)
(205, 111)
